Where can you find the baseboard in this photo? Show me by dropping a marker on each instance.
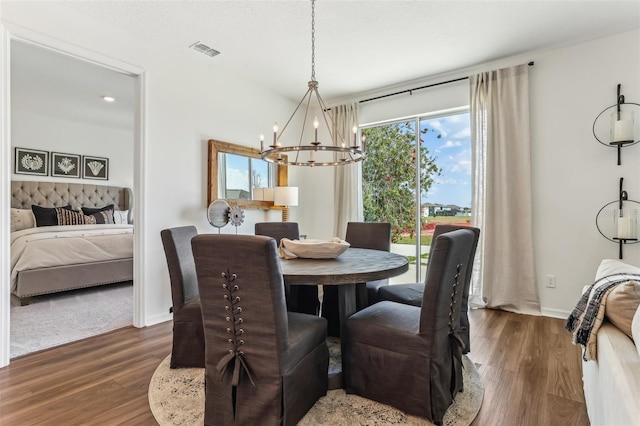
(555, 313)
(157, 319)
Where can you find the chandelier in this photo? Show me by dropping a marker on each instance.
(341, 148)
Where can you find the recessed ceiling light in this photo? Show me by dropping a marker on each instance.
(109, 98)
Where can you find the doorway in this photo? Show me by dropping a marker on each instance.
(135, 156)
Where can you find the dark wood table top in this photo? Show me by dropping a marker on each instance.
(353, 266)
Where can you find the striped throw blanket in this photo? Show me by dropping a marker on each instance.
(587, 316)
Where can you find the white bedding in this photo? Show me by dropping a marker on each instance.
(68, 245)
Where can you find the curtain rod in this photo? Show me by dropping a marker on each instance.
(421, 87)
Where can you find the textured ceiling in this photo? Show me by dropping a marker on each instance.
(360, 45)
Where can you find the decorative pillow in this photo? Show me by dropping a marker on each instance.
(103, 217)
(622, 304)
(71, 217)
(47, 216)
(22, 219)
(615, 266)
(121, 217)
(92, 210)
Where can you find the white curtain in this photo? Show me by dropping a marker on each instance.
(347, 193)
(504, 273)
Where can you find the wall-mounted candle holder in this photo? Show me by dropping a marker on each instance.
(618, 125)
(617, 221)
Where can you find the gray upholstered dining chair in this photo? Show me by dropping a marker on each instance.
(410, 357)
(300, 298)
(369, 235)
(263, 365)
(411, 294)
(188, 334)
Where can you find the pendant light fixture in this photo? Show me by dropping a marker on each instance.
(340, 149)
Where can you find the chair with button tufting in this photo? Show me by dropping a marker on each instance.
(188, 333)
(263, 365)
(410, 357)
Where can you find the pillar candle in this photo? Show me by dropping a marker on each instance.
(623, 130)
(624, 227)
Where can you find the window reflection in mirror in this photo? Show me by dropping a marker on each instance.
(238, 175)
(234, 170)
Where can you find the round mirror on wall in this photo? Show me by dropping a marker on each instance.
(218, 213)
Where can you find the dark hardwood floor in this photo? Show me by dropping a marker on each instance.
(531, 373)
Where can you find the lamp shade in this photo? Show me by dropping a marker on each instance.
(258, 194)
(262, 194)
(286, 196)
(268, 194)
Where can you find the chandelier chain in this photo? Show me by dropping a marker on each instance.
(313, 40)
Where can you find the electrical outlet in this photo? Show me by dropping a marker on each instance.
(551, 281)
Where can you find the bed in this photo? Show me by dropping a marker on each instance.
(50, 259)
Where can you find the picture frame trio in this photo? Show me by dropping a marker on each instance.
(58, 164)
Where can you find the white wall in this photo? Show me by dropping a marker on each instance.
(46, 133)
(190, 99)
(573, 175)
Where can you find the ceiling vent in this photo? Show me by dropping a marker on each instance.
(203, 48)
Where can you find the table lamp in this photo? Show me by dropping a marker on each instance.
(285, 196)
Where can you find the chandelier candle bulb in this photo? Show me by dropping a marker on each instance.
(316, 123)
(275, 134)
(261, 142)
(355, 135)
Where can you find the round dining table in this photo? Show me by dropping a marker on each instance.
(353, 267)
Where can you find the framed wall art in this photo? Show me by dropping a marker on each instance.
(31, 162)
(65, 165)
(95, 168)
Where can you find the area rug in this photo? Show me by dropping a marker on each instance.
(55, 319)
(176, 398)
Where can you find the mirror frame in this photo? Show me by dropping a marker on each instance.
(216, 146)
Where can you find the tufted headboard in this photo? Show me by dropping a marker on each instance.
(60, 194)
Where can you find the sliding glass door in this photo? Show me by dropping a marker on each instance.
(417, 179)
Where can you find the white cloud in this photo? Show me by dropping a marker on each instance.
(237, 179)
(462, 166)
(449, 181)
(451, 144)
(462, 134)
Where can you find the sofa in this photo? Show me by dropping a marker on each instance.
(612, 382)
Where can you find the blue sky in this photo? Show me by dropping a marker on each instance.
(238, 172)
(453, 155)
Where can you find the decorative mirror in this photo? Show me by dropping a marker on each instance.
(233, 172)
(218, 214)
